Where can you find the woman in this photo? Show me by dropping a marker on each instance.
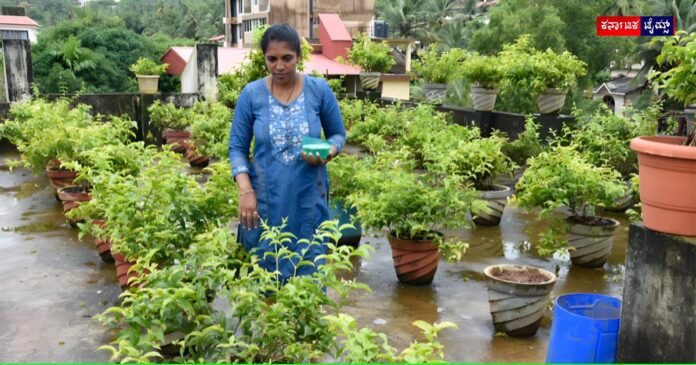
(281, 181)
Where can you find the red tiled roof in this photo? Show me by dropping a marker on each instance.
(334, 27)
(229, 58)
(17, 20)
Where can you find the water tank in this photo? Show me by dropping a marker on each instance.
(380, 29)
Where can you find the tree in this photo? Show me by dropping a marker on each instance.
(73, 56)
(562, 26)
(405, 17)
(113, 48)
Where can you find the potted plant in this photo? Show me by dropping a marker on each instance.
(342, 176)
(484, 73)
(173, 121)
(210, 126)
(526, 145)
(410, 207)
(435, 68)
(669, 160)
(147, 72)
(478, 161)
(518, 296)
(604, 139)
(547, 74)
(561, 177)
(373, 58)
(679, 81)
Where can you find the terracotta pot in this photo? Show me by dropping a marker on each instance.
(516, 307)
(147, 84)
(435, 93)
(496, 200)
(667, 173)
(123, 270)
(60, 178)
(415, 261)
(369, 80)
(592, 244)
(177, 139)
(103, 246)
(194, 159)
(551, 101)
(483, 99)
(71, 197)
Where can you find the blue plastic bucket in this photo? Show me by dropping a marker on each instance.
(585, 329)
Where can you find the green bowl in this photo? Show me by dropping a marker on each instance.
(313, 149)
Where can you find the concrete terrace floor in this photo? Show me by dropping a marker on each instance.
(53, 284)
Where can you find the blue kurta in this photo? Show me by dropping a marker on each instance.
(286, 185)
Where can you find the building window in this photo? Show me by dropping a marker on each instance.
(252, 24)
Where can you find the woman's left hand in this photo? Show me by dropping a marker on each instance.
(317, 160)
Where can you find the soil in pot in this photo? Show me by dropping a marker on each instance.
(518, 297)
(522, 277)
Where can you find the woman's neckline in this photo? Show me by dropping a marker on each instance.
(266, 81)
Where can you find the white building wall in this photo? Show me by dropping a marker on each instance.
(189, 77)
(31, 30)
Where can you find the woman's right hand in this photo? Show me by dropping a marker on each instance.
(248, 215)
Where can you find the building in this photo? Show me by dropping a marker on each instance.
(20, 23)
(243, 16)
(619, 93)
(334, 43)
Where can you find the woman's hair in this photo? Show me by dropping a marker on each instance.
(281, 33)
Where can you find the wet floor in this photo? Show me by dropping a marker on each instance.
(54, 284)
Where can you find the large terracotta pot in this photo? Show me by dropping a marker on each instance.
(517, 305)
(415, 261)
(496, 200)
(592, 244)
(667, 173)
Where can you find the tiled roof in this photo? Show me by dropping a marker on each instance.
(17, 20)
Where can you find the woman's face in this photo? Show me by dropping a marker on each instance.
(281, 61)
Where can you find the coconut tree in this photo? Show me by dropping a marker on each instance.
(405, 16)
(73, 56)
